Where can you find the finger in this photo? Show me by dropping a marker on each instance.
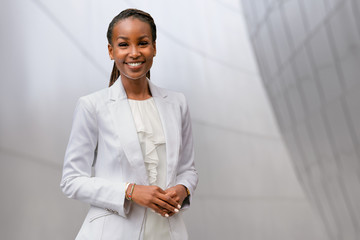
(166, 213)
(160, 190)
(157, 209)
(176, 198)
(171, 194)
(170, 200)
(166, 206)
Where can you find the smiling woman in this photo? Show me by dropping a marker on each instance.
(132, 47)
(146, 22)
(138, 138)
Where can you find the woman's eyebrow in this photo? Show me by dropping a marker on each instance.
(143, 36)
(126, 38)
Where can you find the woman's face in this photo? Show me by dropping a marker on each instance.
(132, 48)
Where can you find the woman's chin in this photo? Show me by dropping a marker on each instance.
(133, 77)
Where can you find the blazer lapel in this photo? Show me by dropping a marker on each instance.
(169, 119)
(126, 131)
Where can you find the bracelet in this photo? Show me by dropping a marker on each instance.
(126, 187)
(187, 190)
(129, 196)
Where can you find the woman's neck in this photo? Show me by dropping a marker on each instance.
(136, 89)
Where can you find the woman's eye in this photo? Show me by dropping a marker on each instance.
(143, 43)
(122, 44)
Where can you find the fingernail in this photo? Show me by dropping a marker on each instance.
(159, 214)
(153, 210)
(166, 215)
(179, 206)
(176, 210)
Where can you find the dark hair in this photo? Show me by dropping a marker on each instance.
(135, 13)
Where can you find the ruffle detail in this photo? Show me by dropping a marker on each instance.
(150, 134)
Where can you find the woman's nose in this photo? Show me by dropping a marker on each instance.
(134, 52)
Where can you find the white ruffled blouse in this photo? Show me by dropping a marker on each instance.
(152, 141)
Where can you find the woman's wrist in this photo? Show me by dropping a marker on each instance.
(129, 191)
(186, 190)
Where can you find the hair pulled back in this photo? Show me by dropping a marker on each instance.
(135, 13)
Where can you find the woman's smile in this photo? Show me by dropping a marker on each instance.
(134, 64)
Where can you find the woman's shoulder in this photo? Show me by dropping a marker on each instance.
(170, 95)
(94, 99)
(174, 97)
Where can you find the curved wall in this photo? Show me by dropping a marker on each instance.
(309, 58)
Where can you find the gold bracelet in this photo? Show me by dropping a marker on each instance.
(131, 192)
(126, 188)
(187, 190)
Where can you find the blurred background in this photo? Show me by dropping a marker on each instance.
(273, 89)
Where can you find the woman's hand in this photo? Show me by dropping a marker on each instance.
(155, 198)
(177, 193)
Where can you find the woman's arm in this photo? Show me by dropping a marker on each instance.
(186, 173)
(77, 181)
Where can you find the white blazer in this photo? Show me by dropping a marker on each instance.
(104, 136)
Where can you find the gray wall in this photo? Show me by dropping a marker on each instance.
(53, 52)
(309, 58)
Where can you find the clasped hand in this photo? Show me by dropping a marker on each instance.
(164, 202)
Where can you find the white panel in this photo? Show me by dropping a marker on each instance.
(292, 12)
(296, 103)
(262, 62)
(283, 111)
(260, 9)
(348, 160)
(321, 139)
(323, 203)
(330, 83)
(347, 41)
(307, 143)
(315, 12)
(311, 94)
(342, 208)
(302, 63)
(350, 183)
(344, 30)
(324, 63)
(334, 3)
(249, 15)
(307, 84)
(321, 49)
(350, 68)
(279, 35)
(352, 100)
(268, 47)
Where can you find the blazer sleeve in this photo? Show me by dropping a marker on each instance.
(186, 173)
(77, 181)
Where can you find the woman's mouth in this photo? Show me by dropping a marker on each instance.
(134, 64)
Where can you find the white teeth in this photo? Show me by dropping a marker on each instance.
(134, 64)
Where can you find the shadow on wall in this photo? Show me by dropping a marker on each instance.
(309, 55)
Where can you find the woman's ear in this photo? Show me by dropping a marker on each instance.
(110, 49)
(154, 46)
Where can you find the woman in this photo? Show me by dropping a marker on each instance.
(137, 138)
